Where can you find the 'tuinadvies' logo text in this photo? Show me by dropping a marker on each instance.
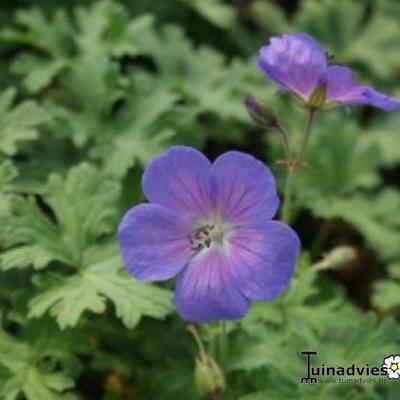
(314, 372)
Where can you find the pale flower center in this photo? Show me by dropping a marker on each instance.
(394, 367)
(205, 234)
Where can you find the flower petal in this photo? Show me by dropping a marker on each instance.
(340, 85)
(205, 292)
(295, 62)
(154, 242)
(342, 88)
(263, 259)
(389, 360)
(396, 359)
(393, 374)
(244, 189)
(179, 179)
(380, 100)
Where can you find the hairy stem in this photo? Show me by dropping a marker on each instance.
(293, 166)
(287, 195)
(285, 140)
(223, 343)
(192, 329)
(306, 135)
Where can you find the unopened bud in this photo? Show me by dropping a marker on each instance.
(338, 257)
(260, 112)
(318, 98)
(208, 375)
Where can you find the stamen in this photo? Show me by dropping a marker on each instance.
(201, 237)
(204, 234)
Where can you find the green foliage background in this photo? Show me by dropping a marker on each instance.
(89, 92)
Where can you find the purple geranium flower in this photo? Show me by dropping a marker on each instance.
(298, 64)
(211, 225)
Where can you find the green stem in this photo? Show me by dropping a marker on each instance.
(293, 166)
(223, 343)
(192, 329)
(287, 195)
(285, 140)
(306, 136)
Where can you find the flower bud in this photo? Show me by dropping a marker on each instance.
(260, 112)
(209, 377)
(337, 258)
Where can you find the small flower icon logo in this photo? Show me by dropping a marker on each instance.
(392, 366)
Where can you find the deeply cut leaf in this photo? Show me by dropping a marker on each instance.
(66, 298)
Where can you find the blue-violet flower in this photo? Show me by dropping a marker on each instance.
(298, 64)
(211, 225)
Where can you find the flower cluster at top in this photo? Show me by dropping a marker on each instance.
(298, 64)
(210, 224)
